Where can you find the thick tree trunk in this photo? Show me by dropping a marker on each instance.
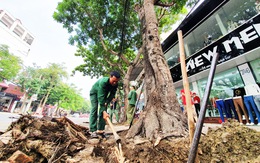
(162, 115)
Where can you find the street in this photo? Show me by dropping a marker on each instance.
(6, 119)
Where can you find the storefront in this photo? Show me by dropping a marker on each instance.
(230, 28)
(10, 97)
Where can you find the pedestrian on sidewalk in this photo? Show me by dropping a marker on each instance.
(196, 101)
(183, 99)
(113, 110)
(101, 93)
(132, 97)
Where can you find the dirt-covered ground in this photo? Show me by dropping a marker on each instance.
(60, 140)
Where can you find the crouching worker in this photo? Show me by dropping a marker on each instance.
(101, 93)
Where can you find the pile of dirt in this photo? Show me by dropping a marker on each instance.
(231, 143)
(43, 140)
(60, 140)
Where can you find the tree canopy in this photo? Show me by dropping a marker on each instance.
(108, 33)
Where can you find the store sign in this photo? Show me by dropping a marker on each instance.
(236, 43)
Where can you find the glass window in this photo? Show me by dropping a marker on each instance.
(223, 21)
(255, 65)
(237, 12)
(223, 83)
(173, 56)
(222, 87)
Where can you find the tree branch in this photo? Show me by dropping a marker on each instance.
(163, 11)
(100, 30)
(140, 51)
(159, 3)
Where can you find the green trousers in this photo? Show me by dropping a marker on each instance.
(130, 113)
(112, 112)
(96, 120)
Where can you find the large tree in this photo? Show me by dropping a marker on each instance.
(162, 116)
(29, 79)
(109, 36)
(52, 75)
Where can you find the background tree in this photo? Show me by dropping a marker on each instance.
(85, 107)
(52, 75)
(30, 82)
(10, 65)
(67, 97)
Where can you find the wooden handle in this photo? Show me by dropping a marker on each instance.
(117, 137)
(186, 87)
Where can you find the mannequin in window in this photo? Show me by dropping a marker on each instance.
(207, 39)
(251, 102)
(231, 25)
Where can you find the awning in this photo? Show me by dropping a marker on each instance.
(3, 85)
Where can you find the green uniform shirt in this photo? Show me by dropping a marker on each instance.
(132, 97)
(104, 90)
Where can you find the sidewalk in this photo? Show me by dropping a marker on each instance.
(206, 126)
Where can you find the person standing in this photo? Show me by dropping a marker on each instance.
(101, 93)
(132, 97)
(196, 101)
(113, 110)
(183, 98)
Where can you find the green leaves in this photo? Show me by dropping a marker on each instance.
(97, 29)
(68, 97)
(10, 65)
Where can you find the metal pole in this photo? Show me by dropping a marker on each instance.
(196, 138)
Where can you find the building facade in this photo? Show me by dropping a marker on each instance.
(15, 35)
(228, 27)
(19, 40)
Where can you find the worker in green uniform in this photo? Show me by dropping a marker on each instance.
(101, 93)
(132, 97)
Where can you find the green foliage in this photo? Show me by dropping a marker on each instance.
(170, 16)
(30, 80)
(86, 107)
(52, 75)
(67, 97)
(84, 20)
(113, 23)
(191, 3)
(10, 65)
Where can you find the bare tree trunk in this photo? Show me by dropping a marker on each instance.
(24, 103)
(162, 115)
(40, 106)
(55, 112)
(46, 98)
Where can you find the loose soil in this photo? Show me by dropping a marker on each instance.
(60, 140)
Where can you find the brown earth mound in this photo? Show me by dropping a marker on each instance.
(60, 140)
